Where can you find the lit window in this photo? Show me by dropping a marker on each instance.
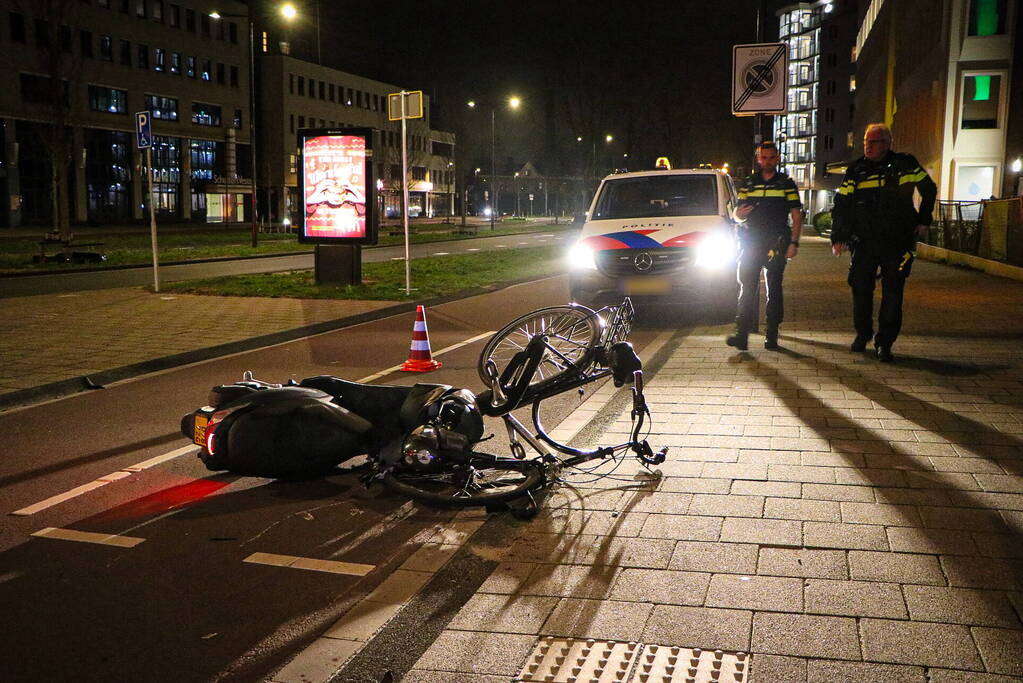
(987, 17)
(981, 95)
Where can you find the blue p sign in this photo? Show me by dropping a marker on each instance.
(143, 129)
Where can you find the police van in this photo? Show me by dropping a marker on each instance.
(661, 237)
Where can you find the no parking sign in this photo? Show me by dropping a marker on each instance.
(759, 78)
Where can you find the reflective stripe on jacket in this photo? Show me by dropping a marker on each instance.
(875, 201)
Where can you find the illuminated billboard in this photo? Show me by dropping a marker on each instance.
(335, 186)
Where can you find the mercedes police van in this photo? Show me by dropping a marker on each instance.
(662, 236)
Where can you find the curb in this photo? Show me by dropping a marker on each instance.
(98, 380)
(958, 258)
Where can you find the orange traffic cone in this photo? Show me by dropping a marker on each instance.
(419, 357)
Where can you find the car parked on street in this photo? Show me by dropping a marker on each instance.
(660, 237)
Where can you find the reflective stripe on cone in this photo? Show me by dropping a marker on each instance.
(420, 359)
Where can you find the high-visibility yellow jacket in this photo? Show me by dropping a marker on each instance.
(772, 200)
(875, 203)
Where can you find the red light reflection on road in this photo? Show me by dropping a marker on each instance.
(165, 500)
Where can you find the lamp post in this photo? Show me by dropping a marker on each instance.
(518, 210)
(288, 12)
(513, 103)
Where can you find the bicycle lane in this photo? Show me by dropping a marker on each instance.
(198, 531)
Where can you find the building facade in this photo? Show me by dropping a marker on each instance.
(813, 133)
(75, 73)
(297, 94)
(947, 97)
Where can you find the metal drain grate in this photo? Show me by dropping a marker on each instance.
(663, 664)
(568, 660)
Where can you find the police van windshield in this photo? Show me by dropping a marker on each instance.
(658, 195)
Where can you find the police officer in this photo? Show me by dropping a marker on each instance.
(767, 200)
(875, 218)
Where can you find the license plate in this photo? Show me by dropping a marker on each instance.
(637, 286)
(199, 433)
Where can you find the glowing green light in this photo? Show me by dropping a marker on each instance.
(987, 17)
(981, 88)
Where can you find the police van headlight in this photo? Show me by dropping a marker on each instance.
(716, 251)
(582, 257)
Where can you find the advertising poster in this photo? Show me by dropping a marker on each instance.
(336, 188)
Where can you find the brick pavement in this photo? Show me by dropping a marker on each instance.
(54, 337)
(840, 519)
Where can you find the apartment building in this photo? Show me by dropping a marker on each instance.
(85, 67)
(940, 73)
(297, 94)
(813, 133)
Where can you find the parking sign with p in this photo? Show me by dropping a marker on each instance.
(144, 129)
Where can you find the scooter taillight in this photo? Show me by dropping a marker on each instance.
(211, 428)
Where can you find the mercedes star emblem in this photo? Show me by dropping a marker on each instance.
(643, 261)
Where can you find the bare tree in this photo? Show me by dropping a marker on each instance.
(58, 98)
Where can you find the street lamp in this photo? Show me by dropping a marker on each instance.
(289, 12)
(514, 103)
(608, 139)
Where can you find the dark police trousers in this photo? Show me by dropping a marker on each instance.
(894, 266)
(756, 255)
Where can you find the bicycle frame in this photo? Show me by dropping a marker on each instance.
(522, 370)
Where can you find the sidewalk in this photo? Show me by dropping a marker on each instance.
(53, 341)
(822, 517)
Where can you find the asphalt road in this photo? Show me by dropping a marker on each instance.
(182, 605)
(142, 276)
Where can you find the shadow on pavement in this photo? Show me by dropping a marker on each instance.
(90, 458)
(1005, 539)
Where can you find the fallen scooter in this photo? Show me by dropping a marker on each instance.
(421, 440)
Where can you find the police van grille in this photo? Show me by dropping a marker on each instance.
(618, 262)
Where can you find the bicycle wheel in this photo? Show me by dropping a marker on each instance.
(490, 480)
(573, 331)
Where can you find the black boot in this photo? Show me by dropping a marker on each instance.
(859, 344)
(884, 354)
(739, 340)
(771, 338)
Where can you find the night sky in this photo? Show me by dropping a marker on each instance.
(655, 75)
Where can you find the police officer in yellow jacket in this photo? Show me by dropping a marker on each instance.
(767, 200)
(875, 218)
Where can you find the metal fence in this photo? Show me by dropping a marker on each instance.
(990, 229)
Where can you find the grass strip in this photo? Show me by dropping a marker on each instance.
(431, 277)
(127, 249)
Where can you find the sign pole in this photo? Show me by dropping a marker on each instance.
(152, 221)
(404, 195)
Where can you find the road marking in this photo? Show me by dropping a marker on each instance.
(89, 537)
(502, 245)
(152, 462)
(310, 563)
(523, 242)
(442, 253)
(102, 481)
(473, 249)
(378, 375)
(548, 235)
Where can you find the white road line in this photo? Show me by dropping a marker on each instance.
(441, 253)
(152, 462)
(103, 481)
(473, 249)
(550, 234)
(89, 537)
(378, 375)
(310, 563)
